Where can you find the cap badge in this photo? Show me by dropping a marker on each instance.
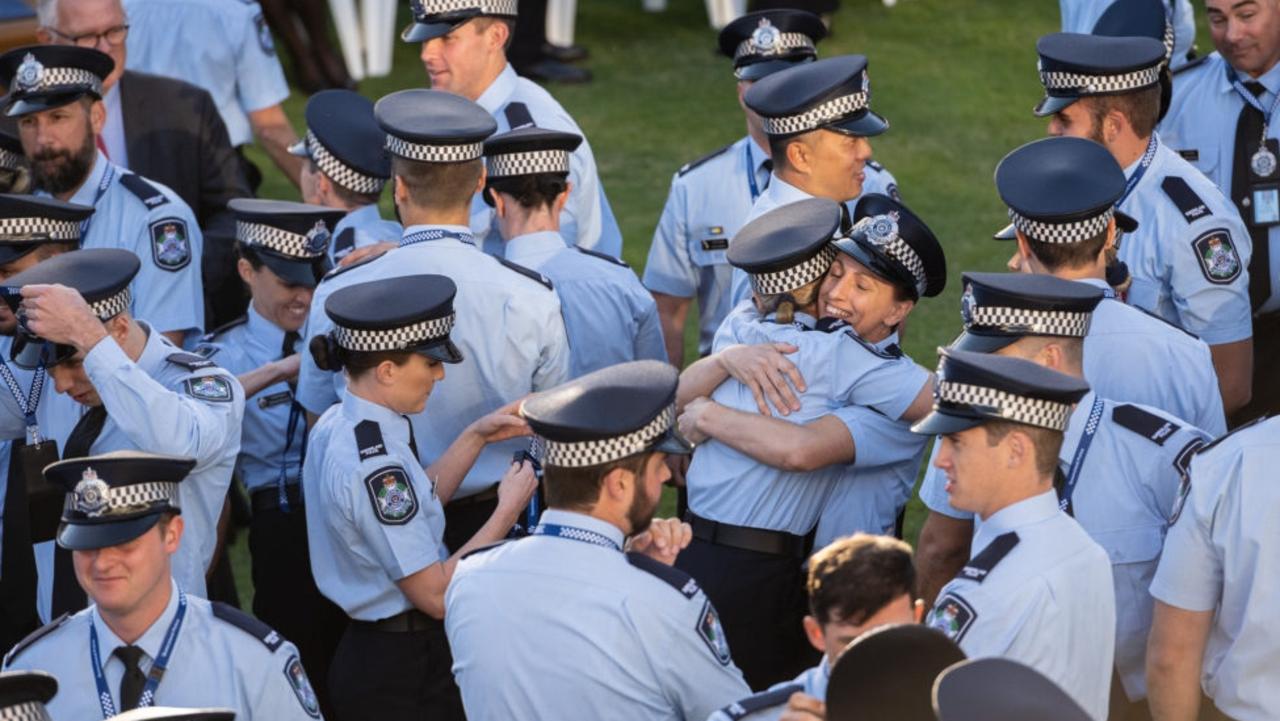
(29, 73)
(91, 494)
(317, 238)
(765, 38)
(967, 304)
(883, 229)
(416, 7)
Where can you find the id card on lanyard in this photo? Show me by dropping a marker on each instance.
(44, 499)
(1264, 190)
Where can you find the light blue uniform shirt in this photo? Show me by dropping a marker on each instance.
(241, 348)
(214, 663)
(769, 705)
(728, 486)
(1047, 602)
(587, 220)
(1079, 16)
(1202, 124)
(160, 229)
(1221, 556)
(598, 634)
(362, 227)
(223, 46)
(362, 542)
(1177, 273)
(608, 315)
(508, 327)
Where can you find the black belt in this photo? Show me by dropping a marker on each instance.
(268, 499)
(488, 494)
(777, 543)
(405, 622)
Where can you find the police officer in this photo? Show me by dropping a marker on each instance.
(130, 211)
(1188, 256)
(818, 118)
(1001, 689)
(23, 694)
(1036, 587)
(377, 544)
(1222, 121)
(888, 672)
(347, 168)
(145, 639)
(599, 633)
(608, 316)
(283, 249)
(510, 328)
(120, 385)
(1213, 591)
(464, 53)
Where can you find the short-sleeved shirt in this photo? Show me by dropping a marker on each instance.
(360, 228)
(599, 634)
(1079, 16)
(1221, 555)
(373, 516)
(1038, 590)
(222, 658)
(769, 705)
(609, 317)
(223, 46)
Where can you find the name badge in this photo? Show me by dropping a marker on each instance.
(275, 399)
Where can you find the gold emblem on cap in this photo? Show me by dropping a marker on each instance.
(91, 494)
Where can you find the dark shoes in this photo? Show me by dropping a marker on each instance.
(565, 53)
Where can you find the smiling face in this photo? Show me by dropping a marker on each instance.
(281, 303)
(834, 164)
(1246, 33)
(864, 300)
(465, 60)
(121, 579)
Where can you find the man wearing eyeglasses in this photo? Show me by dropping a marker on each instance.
(164, 129)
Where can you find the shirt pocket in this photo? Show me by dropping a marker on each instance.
(1204, 157)
(708, 245)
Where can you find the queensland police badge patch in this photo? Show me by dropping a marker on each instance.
(302, 686)
(170, 244)
(1218, 258)
(391, 493)
(953, 616)
(712, 633)
(209, 388)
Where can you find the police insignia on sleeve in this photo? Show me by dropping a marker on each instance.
(391, 493)
(302, 686)
(264, 35)
(953, 616)
(1218, 258)
(712, 633)
(209, 388)
(170, 243)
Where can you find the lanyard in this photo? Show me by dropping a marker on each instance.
(1077, 461)
(751, 174)
(1148, 155)
(295, 417)
(574, 533)
(157, 668)
(1253, 100)
(107, 177)
(26, 405)
(423, 236)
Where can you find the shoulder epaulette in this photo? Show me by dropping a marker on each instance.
(875, 165)
(670, 575)
(150, 195)
(1194, 63)
(344, 268)
(344, 242)
(1228, 434)
(518, 116)
(34, 636)
(248, 624)
(224, 328)
(889, 352)
(981, 565)
(693, 164)
(1166, 321)
(602, 256)
(1192, 207)
(528, 273)
(1144, 423)
(490, 547)
(369, 441)
(190, 361)
(761, 701)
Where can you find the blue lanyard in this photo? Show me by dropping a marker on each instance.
(295, 417)
(751, 174)
(29, 404)
(423, 236)
(107, 177)
(1082, 450)
(157, 668)
(1252, 99)
(574, 533)
(1148, 155)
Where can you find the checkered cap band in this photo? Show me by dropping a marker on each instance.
(274, 239)
(62, 77)
(592, 453)
(10, 161)
(900, 250)
(29, 711)
(108, 308)
(797, 276)
(815, 118)
(530, 163)
(1076, 231)
(1168, 41)
(428, 8)
(93, 498)
(339, 172)
(359, 339)
(1030, 322)
(38, 228)
(787, 42)
(1100, 84)
(434, 153)
(1008, 406)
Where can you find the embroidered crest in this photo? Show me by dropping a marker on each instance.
(712, 633)
(170, 244)
(318, 238)
(264, 35)
(302, 686)
(91, 494)
(967, 304)
(209, 388)
(391, 492)
(953, 616)
(29, 74)
(764, 39)
(1218, 258)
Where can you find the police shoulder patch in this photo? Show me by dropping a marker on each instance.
(1192, 207)
(761, 701)
(528, 273)
(301, 685)
(981, 565)
(264, 35)
(369, 441)
(190, 361)
(170, 243)
(1144, 423)
(144, 190)
(952, 615)
(694, 164)
(518, 116)
(712, 633)
(391, 493)
(250, 625)
(602, 256)
(35, 636)
(210, 388)
(670, 575)
(1219, 261)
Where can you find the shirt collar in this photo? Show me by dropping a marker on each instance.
(561, 517)
(393, 425)
(784, 192)
(532, 249)
(1095, 282)
(1131, 168)
(451, 228)
(758, 154)
(155, 351)
(262, 331)
(1026, 512)
(88, 190)
(502, 88)
(1270, 79)
(364, 213)
(150, 641)
(891, 339)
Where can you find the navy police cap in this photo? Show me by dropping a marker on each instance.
(999, 308)
(896, 245)
(1147, 19)
(344, 141)
(1074, 66)
(432, 126)
(608, 415)
(23, 695)
(292, 239)
(788, 247)
(115, 497)
(434, 18)
(762, 43)
(888, 673)
(1001, 689)
(529, 151)
(409, 313)
(40, 77)
(973, 388)
(28, 221)
(834, 94)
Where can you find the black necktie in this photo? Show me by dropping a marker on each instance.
(134, 679)
(768, 172)
(68, 596)
(1248, 131)
(87, 430)
(1060, 486)
(413, 444)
